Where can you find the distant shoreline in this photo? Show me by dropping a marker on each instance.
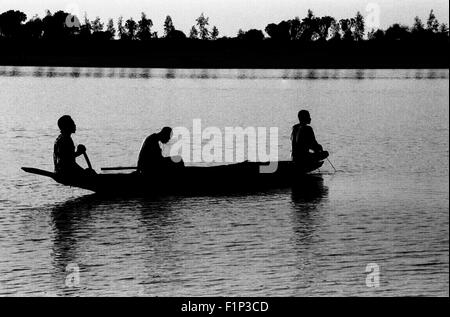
(226, 54)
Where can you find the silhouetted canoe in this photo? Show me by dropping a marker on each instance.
(244, 176)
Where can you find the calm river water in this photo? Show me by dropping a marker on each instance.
(388, 204)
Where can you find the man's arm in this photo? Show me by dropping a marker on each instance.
(81, 149)
(142, 154)
(315, 146)
(293, 135)
(294, 140)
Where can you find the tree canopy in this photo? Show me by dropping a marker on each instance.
(64, 26)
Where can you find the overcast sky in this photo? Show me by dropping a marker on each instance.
(230, 15)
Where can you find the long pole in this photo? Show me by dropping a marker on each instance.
(331, 165)
(118, 168)
(87, 160)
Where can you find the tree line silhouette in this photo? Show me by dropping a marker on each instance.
(64, 26)
(62, 39)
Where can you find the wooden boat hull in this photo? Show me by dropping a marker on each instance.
(240, 177)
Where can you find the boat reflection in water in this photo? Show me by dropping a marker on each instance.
(307, 198)
(308, 215)
(69, 219)
(175, 245)
(106, 239)
(310, 190)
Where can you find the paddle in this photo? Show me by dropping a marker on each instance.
(87, 160)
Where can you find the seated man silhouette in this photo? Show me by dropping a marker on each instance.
(305, 148)
(64, 153)
(151, 160)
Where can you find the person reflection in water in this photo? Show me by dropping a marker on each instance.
(64, 153)
(305, 148)
(151, 159)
